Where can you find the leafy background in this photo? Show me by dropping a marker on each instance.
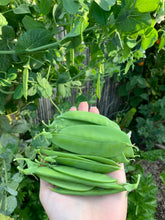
(48, 49)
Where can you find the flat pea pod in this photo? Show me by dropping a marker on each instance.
(101, 159)
(89, 117)
(113, 188)
(92, 192)
(87, 165)
(92, 140)
(47, 172)
(61, 123)
(66, 184)
(59, 154)
(83, 174)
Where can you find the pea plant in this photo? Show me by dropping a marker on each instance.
(43, 46)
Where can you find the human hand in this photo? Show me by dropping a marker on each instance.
(67, 207)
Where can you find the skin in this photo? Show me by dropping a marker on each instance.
(66, 207)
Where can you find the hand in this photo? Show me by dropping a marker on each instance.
(66, 207)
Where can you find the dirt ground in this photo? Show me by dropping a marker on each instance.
(155, 168)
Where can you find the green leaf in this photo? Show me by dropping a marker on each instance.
(45, 6)
(149, 39)
(4, 58)
(44, 87)
(30, 23)
(80, 26)
(147, 5)
(132, 21)
(32, 39)
(128, 118)
(153, 155)
(162, 177)
(4, 124)
(8, 33)
(105, 4)
(3, 20)
(162, 41)
(22, 9)
(11, 204)
(71, 6)
(21, 126)
(18, 93)
(4, 2)
(142, 202)
(25, 81)
(99, 14)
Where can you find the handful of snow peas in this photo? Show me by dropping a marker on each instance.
(84, 147)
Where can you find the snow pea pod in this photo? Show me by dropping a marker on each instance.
(100, 159)
(92, 192)
(66, 184)
(47, 172)
(59, 153)
(84, 174)
(92, 140)
(87, 165)
(89, 117)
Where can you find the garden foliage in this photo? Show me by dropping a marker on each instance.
(43, 51)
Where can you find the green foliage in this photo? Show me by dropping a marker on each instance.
(142, 203)
(42, 49)
(143, 89)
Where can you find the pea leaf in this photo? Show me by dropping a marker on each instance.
(8, 33)
(147, 5)
(18, 92)
(45, 6)
(21, 126)
(4, 124)
(71, 6)
(132, 20)
(4, 58)
(22, 9)
(80, 26)
(149, 39)
(44, 87)
(11, 204)
(3, 20)
(105, 4)
(99, 14)
(30, 23)
(4, 2)
(32, 38)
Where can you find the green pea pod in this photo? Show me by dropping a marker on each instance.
(92, 192)
(101, 159)
(47, 172)
(87, 165)
(83, 174)
(66, 184)
(59, 154)
(114, 188)
(89, 117)
(92, 140)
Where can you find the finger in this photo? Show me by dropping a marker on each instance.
(73, 108)
(83, 106)
(94, 110)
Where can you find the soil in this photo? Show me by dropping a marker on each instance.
(155, 168)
